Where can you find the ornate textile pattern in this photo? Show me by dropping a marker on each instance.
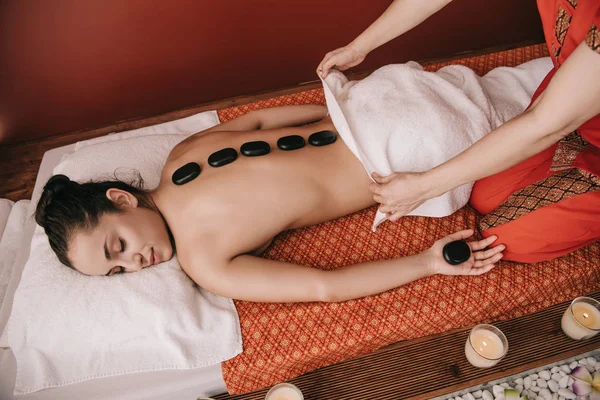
(553, 189)
(282, 341)
(563, 21)
(568, 149)
(573, 3)
(593, 39)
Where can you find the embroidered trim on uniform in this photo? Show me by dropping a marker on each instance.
(563, 21)
(568, 149)
(573, 3)
(593, 38)
(551, 190)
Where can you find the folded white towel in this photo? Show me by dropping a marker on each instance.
(403, 118)
(66, 327)
(5, 207)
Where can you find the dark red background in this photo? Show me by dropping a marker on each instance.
(67, 65)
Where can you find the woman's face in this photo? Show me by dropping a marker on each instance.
(127, 242)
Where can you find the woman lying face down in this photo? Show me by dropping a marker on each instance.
(218, 219)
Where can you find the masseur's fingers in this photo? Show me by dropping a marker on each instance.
(482, 270)
(460, 235)
(482, 244)
(480, 264)
(487, 254)
(375, 188)
(382, 179)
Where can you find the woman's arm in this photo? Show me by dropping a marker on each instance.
(571, 98)
(257, 279)
(270, 118)
(400, 17)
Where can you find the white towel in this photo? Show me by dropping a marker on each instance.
(66, 327)
(403, 118)
(14, 219)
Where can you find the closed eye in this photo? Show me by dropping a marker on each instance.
(115, 270)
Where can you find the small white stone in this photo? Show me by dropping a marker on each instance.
(544, 375)
(565, 368)
(533, 382)
(554, 396)
(553, 385)
(561, 398)
(564, 381)
(527, 382)
(590, 368)
(562, 373)
(497, 390)
(567, 394)
(555, 369)
(542, 383)
(556, 377)
(573, 365)
(477, 394)
(591, 361)
(570, 382)
(519, 381)
(519, 388)
(545, 393)
(487, 395)
(539, 398)
(505, 385)
(583, 361)
(535, 389)
(534, 377)
(499, 397)
(458, 398)
(468, 396)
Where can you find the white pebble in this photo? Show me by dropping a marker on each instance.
(556, 377)
(590, 368)
(542, 383)
(562, 373)
(544, 375)
(561, 398)
(534, 377)
(545, 393)
(477, 394)
(458, 398)
(505, 385)
(583, 361)
(567, 394)
(501, 397)
(535, 389)
(565, 368)
(570, 382)
(591, 361)
(527, 382)
(487, 395)
(539, 398)
(555, 369)
(573, 365)
(497, 390)
(468, 396)
(519, 381)
(533, 382)
(554, 396)
(564, 381)
(553, 385)
(519, 388)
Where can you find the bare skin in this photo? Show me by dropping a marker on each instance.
(227, 215)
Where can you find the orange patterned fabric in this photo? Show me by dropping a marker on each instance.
(282, 341)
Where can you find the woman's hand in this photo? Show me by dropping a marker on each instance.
(342, 59)
(398, 193)
(480, 262)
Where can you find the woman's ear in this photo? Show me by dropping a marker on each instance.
(122, 198)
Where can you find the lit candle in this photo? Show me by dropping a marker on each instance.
(486, 346)
(284, 391)
(582, 319)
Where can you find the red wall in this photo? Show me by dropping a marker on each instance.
(75, 64)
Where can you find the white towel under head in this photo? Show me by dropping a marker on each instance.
(403, 118)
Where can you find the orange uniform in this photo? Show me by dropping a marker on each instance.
(549, 204)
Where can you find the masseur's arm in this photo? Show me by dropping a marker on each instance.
(270, 118)
(257, 279)
(400, 17)
(571, 98)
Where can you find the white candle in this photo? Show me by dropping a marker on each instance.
(581, 319)
(284, 391)
(485, 346)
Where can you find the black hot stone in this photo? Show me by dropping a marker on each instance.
(322, 138)
(456, 252)
(292, 142)
(186, 173)
(253, 149)
(222, 157)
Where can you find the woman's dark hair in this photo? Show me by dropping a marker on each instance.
(67, 206)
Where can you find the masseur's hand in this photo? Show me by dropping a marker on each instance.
(342, 59)
(480, 262)
(398, 193)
